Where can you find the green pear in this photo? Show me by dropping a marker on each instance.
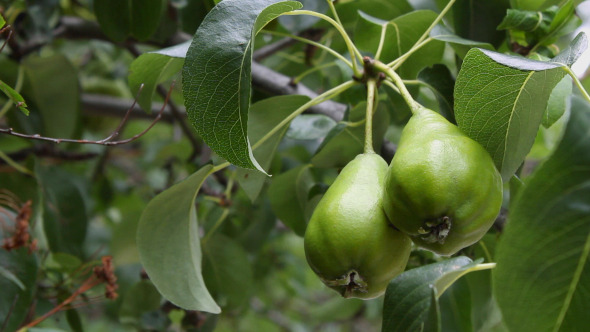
(349, 243)
(442, 187)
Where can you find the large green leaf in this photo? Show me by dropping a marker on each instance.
(217, 71)
(55, 88)
(383, 9)
(411, 299)
(500, 101)
(264, 116)
(169, 247)
(558, 102)
(543, 258)
(401, 34)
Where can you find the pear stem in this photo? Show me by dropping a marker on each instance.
(371, 96)
(391, 74)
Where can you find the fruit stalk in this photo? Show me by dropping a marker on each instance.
(371, 94)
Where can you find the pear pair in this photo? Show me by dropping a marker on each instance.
(441, 190)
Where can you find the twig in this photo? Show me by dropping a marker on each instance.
(7, 38)
(44, 150)
(107, 141)
(5, 323)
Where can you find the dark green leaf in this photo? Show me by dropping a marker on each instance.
(140, 298)
(145, 17)
(64, 211)
(55, 88)
(441, 83)
(500, 101)
(169, 248)
(544, 255)
(227, 271)
(16, 98)
(527, 20)
(264, 116)
(288, 197)
(16, 299)
(409, 301)
(477, 20)
(455, 307)
(113, 17)
(74, 321)
(216, 75)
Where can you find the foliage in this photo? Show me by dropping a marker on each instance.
(197, 222)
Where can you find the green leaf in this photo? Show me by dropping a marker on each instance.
(227, 271)
(217, 71)
(527, 20)
(16, 98)
(16, 298)
(169, 248)
(409, 300)
(500, 101)
(477, 20)
(153, 68)
(140, 298)
(455, 307)
(544, 255)
(558, 102)
(310, 127)
(288, 194)
(113, 17)
(118, 19)
(383, 9)
(264, 116)
(2, 21)
(574, 50)
(64, 211)
(145, 17)
(460, 45)
(59, 101)
(401, 34)
(440, 81)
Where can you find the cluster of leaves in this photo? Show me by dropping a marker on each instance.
(228, 238)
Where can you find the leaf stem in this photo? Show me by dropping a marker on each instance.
(482, 267)
(381, 41)
(354, 52)
(569, 71)
(371, 96)
(334, 12)
(311, 42)
(395, 64)
(389, 72)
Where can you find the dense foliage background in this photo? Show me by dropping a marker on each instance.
(71, 69)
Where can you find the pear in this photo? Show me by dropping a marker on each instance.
(349, 243)
(442, 187)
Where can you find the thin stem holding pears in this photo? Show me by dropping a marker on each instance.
(391, 74)
(371, 96)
